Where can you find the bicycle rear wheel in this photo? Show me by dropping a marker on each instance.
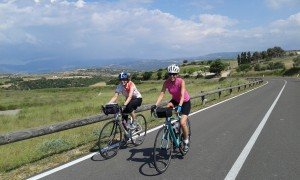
(110, 139)
(139, 134)
(162, 151)
(183, 153)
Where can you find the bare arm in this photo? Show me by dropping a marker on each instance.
(182, 93)
(114, 98)
(161, 95)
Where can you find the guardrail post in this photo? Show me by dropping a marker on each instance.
(230, 90)
(219, 93)
(203, 100)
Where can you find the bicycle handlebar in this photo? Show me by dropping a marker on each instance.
(153, 112)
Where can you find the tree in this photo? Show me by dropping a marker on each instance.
(134, 76)
(217, 66)
(166, 75)
(244, 58)
(275, 52)
(248, 57)
(239, 59)
(159, 74)
(147, 75)
(256, 56)
(279, 52)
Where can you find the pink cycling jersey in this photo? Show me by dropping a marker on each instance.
(174, 88)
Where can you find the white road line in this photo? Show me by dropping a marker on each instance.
(148, 131)
(62, 167)
(242, 157)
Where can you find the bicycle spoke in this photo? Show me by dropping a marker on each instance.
(109, 140)
(139, 134)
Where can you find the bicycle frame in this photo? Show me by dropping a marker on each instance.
(115, 132)
(176, 140)
(118, 120)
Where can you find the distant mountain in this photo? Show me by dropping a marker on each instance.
(47, 66)
(221, 55)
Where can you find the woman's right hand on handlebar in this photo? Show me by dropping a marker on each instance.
(153, 107)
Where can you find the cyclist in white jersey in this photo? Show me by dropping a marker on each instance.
(132, 95)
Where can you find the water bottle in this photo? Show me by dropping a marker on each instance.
(176, 127)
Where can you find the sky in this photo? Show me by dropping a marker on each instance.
(69, 30)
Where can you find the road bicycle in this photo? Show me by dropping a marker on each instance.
(168, 138)
(116, 133)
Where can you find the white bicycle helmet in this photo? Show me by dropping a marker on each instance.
(173, 69)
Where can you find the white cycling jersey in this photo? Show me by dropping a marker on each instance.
(126, 89)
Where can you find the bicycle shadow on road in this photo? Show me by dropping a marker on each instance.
(145, 156)
(98, 157)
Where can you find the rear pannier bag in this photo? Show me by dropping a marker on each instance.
(162, 112)
(110, 109)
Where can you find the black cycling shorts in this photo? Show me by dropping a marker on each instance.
(186, 106)
(133, 105)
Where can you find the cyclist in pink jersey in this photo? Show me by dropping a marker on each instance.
(180, 98)
(133, 97)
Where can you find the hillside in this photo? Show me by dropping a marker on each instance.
(58, 65)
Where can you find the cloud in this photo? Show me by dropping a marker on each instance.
(99, 30)
(80, 4)
(213, 20)
(277, 4)
(291, 21)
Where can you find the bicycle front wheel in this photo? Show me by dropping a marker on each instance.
(162, 151)
(110, 139)
(139, 134)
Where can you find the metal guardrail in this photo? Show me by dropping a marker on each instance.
(40, 131)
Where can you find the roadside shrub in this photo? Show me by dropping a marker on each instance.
(199, 75)
(257, 67)
(244, 67)
(296, 61)
(292, 71)
(54, 146)
(112, 82)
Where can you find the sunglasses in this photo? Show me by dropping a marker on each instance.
(172, 74)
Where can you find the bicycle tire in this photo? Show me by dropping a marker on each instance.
(162, 151)
(110, 140)
(183, 153)
(138, 135)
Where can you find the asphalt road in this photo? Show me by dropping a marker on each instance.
(220, 136)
